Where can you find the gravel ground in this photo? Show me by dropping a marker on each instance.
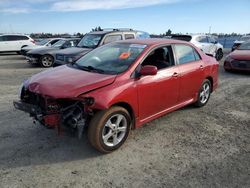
(191, 147)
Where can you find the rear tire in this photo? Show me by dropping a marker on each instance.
(219, 55)
(109, 129)
(204, 93)
(46, 60)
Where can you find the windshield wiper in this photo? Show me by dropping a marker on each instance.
(91, 69)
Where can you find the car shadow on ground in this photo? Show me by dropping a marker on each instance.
(47, 148)
(18, 65)
(12, 54)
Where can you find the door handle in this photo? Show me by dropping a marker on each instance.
(175, 74)
(201, 67)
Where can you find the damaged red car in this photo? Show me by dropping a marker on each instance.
(119, 87)
(239, 59)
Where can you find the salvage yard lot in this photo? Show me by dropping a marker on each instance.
(191, 147)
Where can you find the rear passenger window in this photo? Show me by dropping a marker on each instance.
(14, 38)
(112, 38)
(203, 39)
(22, 38)
(185, 54)
(129, 36)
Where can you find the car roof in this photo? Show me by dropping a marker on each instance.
(14, 35)
(153, 41)
(71, 38)
(112, 31)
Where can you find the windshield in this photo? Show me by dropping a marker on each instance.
(42, 42)
(58, 43)
(244, 46)
(90, 41)
(110, 59)
(244, 38)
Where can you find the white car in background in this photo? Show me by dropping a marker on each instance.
(43, 43)
(207, 43)
(14, 42)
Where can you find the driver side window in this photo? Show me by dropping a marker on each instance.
(161, 58)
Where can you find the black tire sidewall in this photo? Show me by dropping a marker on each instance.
(112, 148)
(219, 51)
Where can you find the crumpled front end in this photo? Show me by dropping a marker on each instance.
(54, 113)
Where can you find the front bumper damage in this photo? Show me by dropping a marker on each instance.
(55, 116)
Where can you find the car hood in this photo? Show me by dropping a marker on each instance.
(42, 50)
(67, 82)
(73, 51)
(240, 54)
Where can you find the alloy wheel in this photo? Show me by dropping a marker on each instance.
(47, 61)
(114, 130)
(205, 93)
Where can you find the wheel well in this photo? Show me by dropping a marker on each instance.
(129, 109)
(211, 81)
(24, 46)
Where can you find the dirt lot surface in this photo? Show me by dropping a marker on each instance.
(192, 147)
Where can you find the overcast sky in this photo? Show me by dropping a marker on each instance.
(153, 16)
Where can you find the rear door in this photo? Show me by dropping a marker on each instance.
(204, 44)
(213, 46)
(15, 42)
(191, 70)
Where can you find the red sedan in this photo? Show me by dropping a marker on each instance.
(119, 87)
(239, 59)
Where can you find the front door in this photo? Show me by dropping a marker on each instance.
(161, 91)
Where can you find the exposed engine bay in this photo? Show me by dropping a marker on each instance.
(59, 114)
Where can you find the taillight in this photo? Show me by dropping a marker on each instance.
(32, 41)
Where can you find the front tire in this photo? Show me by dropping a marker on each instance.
(109, 129)
(204, 93)
(46, 61)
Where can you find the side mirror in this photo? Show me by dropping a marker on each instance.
(148, 70)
